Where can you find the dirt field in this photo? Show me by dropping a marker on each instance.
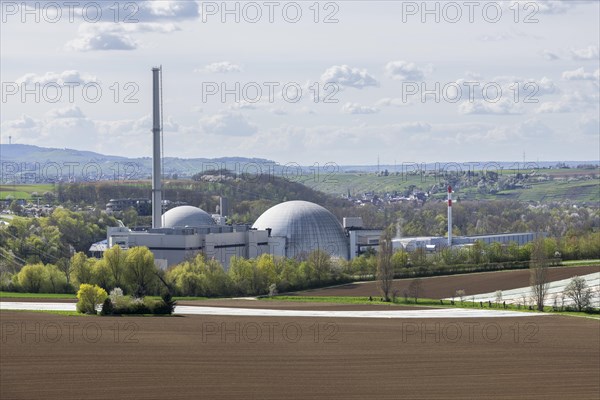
(440, 287)
(291, 305)
(56, 357)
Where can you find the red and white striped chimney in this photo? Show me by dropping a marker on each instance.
(449, 215)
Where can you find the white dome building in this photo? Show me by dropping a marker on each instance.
(306, 227)
(186, 216)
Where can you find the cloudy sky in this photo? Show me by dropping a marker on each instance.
(307, 82)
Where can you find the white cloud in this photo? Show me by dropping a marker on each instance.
(579, 74)
(66, 112)
(411, 127)
(404, 71)
(495, 38)
(526, 87)
(278, 111)
(70, 127)
(25, 122)
(221, 67)
(589, 53)
(589, 125)
(243, 105)
(59, 78)
(550, 56)
(533, 128)
(392, 102)
(528, 129)
(102, 41)
(537, 7)
(515, 88)
(130, 12)
(344, 75)
(503, 106)
(568, 103)
(306, 111)
(63, 127)
(167, 10)
(111, 36)
(228, 124)
(545, 86)
(354, 108)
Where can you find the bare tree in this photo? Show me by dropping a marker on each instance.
(415, 287)
(385, 269)
(498, 297)
(538, 278)
(578, 291)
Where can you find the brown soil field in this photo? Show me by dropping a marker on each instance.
(44, 356)
(291, 305)
(439, 287)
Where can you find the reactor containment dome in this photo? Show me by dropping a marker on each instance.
(186, 216)
(307, 227)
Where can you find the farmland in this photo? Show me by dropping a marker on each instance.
(550, 357)
(221, 357)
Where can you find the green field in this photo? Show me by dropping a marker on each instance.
(433, 303)
(558, 189)
(18, 295)
(576, 185)
(24, 191)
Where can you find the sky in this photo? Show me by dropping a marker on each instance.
(346, 82)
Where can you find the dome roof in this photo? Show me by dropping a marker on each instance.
(307, 227)
(186, 216)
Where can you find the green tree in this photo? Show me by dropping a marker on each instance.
(55, 279)
(217, 281)
(538, 268)
(415, 289)
(101, 274)
(32, 277)
(320, 266)
(89, 297)
(114, 258)
(140, 271)
(385, 268)
(399, 260)
(81, 269)
(578, 291)
(241, 272)
(187, 278)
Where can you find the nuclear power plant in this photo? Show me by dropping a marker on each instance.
(291, 229)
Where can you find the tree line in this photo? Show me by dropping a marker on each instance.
(135, 272)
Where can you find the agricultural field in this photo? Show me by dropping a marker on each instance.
(63, 356)
(219, 357)
(577, 185)
(441, 287)
(24, 191)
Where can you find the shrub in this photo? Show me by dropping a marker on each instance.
(130, 305)
(107, 307)
(168, 304)
(32, 277)
(117, 298)
(89, 297)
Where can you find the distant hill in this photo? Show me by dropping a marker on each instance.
(35, 164)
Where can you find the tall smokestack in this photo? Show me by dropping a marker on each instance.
(156, 153)
(449, 215)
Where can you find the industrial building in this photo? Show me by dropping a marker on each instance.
(187, 231)
(291, 229)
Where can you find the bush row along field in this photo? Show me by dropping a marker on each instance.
(134, 270)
